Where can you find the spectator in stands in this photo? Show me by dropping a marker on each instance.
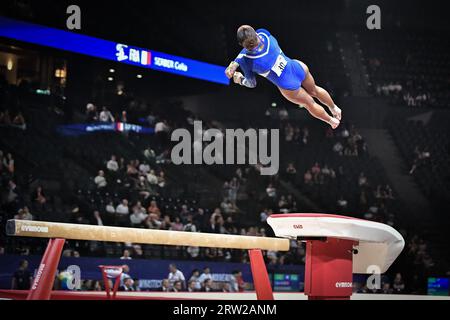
(240, 281)
(9, 162)
(161, 126)
(123, 208)
(122, 164)
(126, 255)
(234, 189)
(110, 207)
(100, 180)
(345, 133)
(127, 285)
(138, 216)
(226, 206)
(97, 286)
(22, 277)
(125, 273)
(136, 285)
(132, 170)
(271, 191)
(326, 173)
(207, 285)
(342, 204)
(305, 135)
(226, 287)
(216, 222)
(39, 199)
(315, 171)
(292, 204)
(161, 131)
(386, 288)
(289, 133)
(177, 225)
(283, 205)
(283, 114)
(152, 178)
(144, 168)
(191, 286)
(5, 118)
(230, 225)
(177, 286)
(398, 285)
(338, 148)
(363, 200)
(143, 187)
(153, 208)
(166, 223)
(153, 222)
(226, 190)
(194, 279)
(151, 119)
(189, 226)
(161, 180)
(389, 192)
(112, 164)
(91, 113)
(205, 275)
(163, 157)
(264, 215)
(233, 282)
(201, 220)
(291, 172)
(362, 180)
(24, 214)
(87, 285)
(138, 206)
(184, 212)
(19, 121)
(307, 177)
(106, 116)
(97, 219)
(379, 193)
(165, 285)
(150, 154)
(193, 252)
(175, 275)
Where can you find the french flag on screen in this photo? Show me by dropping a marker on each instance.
(146, 58)
(119, 126)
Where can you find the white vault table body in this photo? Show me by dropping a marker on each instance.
(377, 244)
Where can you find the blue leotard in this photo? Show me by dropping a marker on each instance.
(269, 61)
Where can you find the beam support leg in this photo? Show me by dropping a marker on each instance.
(45, 276)
(260, 276)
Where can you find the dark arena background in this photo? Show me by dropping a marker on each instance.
(95, 204)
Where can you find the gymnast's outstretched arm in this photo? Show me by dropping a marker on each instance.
(249, 80)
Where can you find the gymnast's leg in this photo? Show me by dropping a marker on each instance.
(301, 97)
(318, 92)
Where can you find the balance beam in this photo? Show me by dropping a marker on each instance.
(42, 229)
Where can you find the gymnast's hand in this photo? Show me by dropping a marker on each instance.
(229, 72)
(237, 78)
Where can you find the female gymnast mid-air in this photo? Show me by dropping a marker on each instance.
(262, 55)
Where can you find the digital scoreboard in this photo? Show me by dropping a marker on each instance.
(109, 50)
